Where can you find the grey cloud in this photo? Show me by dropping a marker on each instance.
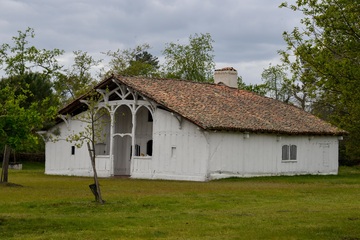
(244, 31)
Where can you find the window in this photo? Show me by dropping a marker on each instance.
(72, 150)
(293, 150)
(289, 152)
(285, 152)
(150, 117)
(173, 152)
(100, 149)
(137, 150)
(149, 147)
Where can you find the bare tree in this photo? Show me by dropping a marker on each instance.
(91, 135)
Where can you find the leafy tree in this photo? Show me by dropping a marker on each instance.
(256, 88)
(29, 68)
(304, 87)
(327, 51)
(277, 85)
(38, 86)
(18, 59)
(193, 61)
(144, 64)
(26, 100)
(78, 79)
(240, 83)
(134, 62)
(17, 123)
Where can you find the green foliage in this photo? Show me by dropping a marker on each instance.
(295, 90)
(240, 83)
(33, 92)
(144, 64)
(134, 62)
(193, 61)
(276, 83)
(77, 80)
(299, 207)
(27, 98)
(17, 123)
(19, 58)
(327, 50)
(256, 88)
(38, 86)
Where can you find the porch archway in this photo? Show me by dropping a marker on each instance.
(122, 139)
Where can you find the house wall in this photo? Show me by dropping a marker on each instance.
(179, 151)
(182, 151)
(61, 161)
(236, 154)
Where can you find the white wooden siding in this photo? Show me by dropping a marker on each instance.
(179, 152)
(260, 155)
(60, 161)
(182, 151)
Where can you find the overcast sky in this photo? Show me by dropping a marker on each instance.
(247, 33)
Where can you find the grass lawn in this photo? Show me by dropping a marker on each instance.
(301, 207)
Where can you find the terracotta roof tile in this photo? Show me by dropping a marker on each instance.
(226, 69)
(218, 107)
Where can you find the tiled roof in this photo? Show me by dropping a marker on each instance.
(218, 107)
(225, 69)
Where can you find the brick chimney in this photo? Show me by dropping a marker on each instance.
(227, 76)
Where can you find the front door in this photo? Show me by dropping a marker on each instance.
(122, 141)
(122, 155)
(325, 154)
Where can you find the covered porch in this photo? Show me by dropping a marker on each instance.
(128, 133)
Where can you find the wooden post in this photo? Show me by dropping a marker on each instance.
(111, 140)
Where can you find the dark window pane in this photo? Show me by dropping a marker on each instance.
(137, 150)
(293, 152)
(150, 117)
(149, 148)
(285, 152)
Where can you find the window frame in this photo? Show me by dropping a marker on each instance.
(289, 153)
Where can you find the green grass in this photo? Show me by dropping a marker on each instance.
(300, 207)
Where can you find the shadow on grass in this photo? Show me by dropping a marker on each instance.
(7, 184)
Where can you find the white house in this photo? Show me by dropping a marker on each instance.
(182, 130)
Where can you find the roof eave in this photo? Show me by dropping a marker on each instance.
(277, 132)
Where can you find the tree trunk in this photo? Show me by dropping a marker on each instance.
(5, 164)
(95, 188)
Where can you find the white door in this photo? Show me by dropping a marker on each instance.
(325, 154)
